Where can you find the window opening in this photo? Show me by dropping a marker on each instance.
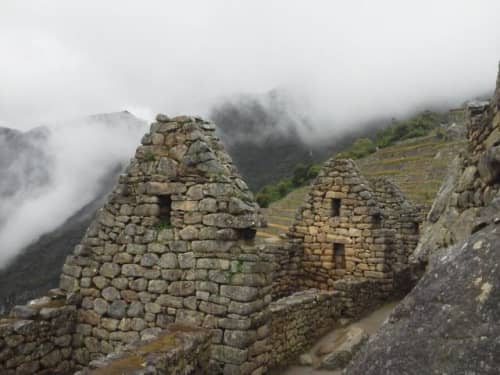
(339, 254)
(336, 207)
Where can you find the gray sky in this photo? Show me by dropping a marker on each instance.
(348, 61)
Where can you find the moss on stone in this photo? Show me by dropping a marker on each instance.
(163, 343)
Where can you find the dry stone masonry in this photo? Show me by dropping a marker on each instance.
(170, 279)
(37, 338)
(355, 229)
(174, 244)
(178, 350)
(291, 330)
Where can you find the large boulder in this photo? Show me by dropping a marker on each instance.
(489, 165)
(337, 354)
(450, 322)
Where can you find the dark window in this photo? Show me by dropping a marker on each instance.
(165, 207)
(335, 207)
(415, 228)
(247, 233)
(339, 255)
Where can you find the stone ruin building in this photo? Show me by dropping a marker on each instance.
(170, 279)
(352, 228)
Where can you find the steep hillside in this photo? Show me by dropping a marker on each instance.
(280, 214)
(38, 267)
(418, 166)
(33, 165)
(267, 135)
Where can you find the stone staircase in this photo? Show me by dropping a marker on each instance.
(281, 214)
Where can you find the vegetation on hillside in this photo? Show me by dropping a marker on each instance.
(419, 125)
(302, 175)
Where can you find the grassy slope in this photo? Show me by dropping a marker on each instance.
(417, 166)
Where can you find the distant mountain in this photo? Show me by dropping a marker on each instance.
(266, 136)
(24, 166)
(28, 164)
(38, 267)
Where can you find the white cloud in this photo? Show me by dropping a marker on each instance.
(353, 60)
(82, 153)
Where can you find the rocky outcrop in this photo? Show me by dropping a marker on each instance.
(450, 322)
(472, 183)
(338, 356)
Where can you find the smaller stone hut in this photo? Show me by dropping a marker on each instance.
(353, 228)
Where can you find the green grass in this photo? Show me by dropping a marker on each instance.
(163, 225)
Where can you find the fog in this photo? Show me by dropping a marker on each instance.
(340, 64)
(48, 177)
(345, 61)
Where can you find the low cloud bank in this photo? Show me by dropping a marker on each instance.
(55, 171)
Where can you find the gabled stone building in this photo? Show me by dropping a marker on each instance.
(174, 243)
(353, 228)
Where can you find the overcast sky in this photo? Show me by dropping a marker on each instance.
(347, 60)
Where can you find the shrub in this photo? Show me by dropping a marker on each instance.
(417, 126)
(302, 174)
(359, 149)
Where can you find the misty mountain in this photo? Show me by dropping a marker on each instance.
(24, 166)
(38, 266)
(52, 180)
(267, 136)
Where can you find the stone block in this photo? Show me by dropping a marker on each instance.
(239, 293)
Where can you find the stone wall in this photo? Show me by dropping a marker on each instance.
(286, 258)
(37, 338)
(179, 350)
(400, 215)
(356, 297)
(174, 243)
(353, 228)
(298, 320)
